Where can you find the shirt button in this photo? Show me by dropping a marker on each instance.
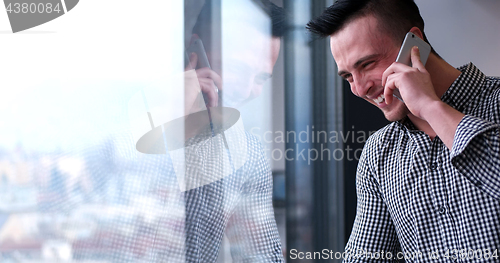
(433, 166)
(441, 210)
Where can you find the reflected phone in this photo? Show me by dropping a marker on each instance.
(404, 55)
(198, 48)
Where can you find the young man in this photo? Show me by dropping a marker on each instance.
(428, 184)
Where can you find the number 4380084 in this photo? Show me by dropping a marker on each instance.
(471, 254)
(33, 8)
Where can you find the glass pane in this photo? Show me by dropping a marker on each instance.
(141, 137)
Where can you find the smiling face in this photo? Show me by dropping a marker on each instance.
(363, 53)
(249, 57)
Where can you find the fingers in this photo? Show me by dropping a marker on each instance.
(210, 92)
(386, 74)
(415, 59)
(210, 82)
(388, 80)
(399, 67)
(389, 89)
(208, 73)
(393, 68)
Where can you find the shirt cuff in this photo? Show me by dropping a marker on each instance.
(468, 128)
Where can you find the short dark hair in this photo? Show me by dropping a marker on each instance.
(396, 17)
(277, 15)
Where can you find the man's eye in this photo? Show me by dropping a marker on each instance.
(348, 77)
(367, 64)
(262, 78)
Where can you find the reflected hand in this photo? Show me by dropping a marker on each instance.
(205, 80)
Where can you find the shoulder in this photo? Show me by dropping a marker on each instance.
(493, 80)
(492, 86)
(252, 140)
(255, 171)
(384, 139)
(382, 148)
(384, 136)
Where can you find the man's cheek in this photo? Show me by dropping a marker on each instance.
(256, 91)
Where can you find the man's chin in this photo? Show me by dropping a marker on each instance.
(393, 119)
(396, 114)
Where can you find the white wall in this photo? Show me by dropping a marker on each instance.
(463, 31)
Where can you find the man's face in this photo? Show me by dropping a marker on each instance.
(362, 54)
(248, 62)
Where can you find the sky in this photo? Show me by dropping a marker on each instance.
(67, 83)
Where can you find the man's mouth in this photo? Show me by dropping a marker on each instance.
(379, 99)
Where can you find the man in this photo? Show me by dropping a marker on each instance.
(428, 184)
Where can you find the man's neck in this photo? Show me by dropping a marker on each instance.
(442, 76)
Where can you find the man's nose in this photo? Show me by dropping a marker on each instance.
(362, 86)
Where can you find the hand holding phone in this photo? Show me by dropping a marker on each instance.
(404, 55)
(209, 80)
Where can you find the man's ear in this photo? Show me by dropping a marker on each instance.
(415, 30)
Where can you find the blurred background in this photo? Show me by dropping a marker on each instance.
(73, 187)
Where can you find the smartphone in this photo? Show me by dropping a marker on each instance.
(404, 55)
(410, 41)
(198, 48)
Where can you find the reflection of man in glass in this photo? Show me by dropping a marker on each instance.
(226, 177)
(245, 62)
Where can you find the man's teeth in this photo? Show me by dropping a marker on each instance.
(379, 99)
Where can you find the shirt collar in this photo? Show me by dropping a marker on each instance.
(465, 88)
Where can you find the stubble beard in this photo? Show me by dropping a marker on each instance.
(397, 113)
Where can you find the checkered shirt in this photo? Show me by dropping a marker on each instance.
(177, 226)
(417, 197)
(239, 205)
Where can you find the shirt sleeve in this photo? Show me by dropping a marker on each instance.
(373, 229)
(252, 229)
(476, 153)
